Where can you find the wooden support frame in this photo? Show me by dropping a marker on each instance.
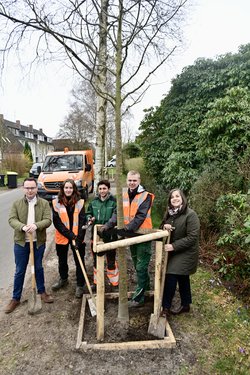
(168, 341)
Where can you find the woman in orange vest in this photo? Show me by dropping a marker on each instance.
(68, 219)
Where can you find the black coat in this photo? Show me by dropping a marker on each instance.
(183, 260)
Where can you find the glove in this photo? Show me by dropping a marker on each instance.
(79, 243)
(101, 253)
(121, 233)
(101, 231)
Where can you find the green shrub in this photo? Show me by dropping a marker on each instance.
(18, 163)
(234, 213)
(215, 181)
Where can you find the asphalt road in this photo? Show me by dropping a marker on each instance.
(6, 238)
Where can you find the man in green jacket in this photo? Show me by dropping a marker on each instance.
(29, 215)
(100, 211)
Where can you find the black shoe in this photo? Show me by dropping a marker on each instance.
(59, 284)
(181, 310)
(79, 291)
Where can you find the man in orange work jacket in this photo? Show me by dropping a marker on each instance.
(137, 203)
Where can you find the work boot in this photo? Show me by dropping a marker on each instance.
(47, 298)
(11, 306)
(134, 304)
(59, 284)
(79, 291)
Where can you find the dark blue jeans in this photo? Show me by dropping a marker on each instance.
(22, 259)
(170, 288)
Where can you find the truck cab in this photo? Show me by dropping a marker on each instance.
(61, 165)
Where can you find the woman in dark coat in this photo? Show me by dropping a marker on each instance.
(182, 250)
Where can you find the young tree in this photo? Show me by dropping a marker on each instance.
(126, 39)
(27, 151)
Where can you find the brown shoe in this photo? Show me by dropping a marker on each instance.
(181, 310)
(11, 306)
(165, 312)
(46, 298)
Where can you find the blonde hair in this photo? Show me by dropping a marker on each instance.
(133, 173)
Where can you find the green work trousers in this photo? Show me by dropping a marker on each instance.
(141, 254)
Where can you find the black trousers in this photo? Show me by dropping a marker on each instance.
(62, 253)
(111, 255)
(107, 236)
(170, 288)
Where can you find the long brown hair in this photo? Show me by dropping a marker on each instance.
(183, 208)
(74, 197)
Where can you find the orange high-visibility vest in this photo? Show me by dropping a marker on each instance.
(129, 210)
(61, 209)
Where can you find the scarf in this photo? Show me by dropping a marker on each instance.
(174, 211)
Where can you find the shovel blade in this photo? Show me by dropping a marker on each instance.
(34, 303)
(92, 307)
(157, 326)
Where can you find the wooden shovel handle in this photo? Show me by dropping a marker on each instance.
(163, 276)
(32, 262)
(84, 272)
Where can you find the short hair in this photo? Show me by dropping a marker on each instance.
(30, 179)
(104, 182)
(133, 173)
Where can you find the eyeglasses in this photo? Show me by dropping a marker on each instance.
(132, 180)
(30, 188)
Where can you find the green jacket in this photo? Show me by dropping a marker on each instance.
(18, 218)
(185, 240)
(101, 210)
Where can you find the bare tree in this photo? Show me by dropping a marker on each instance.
(141, 33)
(73, 32)
(125, 39)
(80, 123)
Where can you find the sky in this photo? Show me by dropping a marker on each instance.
(214, 27)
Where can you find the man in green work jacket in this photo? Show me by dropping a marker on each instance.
(99, 211)
(29, 215)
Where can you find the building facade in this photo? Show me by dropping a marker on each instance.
(39, 142)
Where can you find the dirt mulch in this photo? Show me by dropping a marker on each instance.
(45, 343)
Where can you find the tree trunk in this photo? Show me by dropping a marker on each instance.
(123, 295)
(101, 89)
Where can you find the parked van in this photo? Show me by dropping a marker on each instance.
(61, 165)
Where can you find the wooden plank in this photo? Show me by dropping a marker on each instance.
(148, 293)
(81, 322)
(165, 343)
(170, 334)
(131, 241)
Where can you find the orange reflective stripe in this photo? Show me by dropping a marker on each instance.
(62, 212)
(113, 275)
(95, 276)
